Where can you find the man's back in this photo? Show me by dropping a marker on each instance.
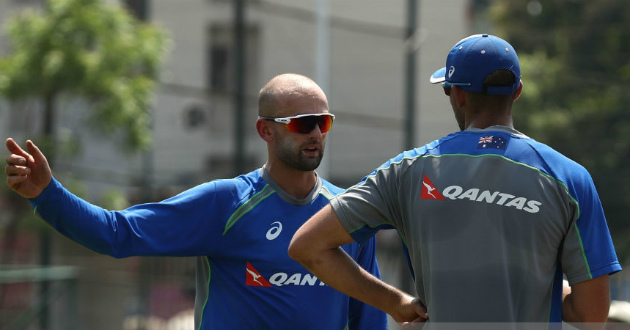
(491, 219)
(486, 216)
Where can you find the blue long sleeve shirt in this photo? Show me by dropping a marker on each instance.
(239, 229)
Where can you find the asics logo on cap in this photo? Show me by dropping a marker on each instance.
(451, 71)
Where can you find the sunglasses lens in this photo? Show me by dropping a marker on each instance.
(307, 124)
(325, 123)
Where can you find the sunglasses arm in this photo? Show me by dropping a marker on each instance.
(285, 121)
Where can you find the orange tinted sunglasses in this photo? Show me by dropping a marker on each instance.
(305, 123)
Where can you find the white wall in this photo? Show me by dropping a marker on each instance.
(366, 88)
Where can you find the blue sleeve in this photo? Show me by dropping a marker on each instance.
(587, 251)
(592, 229)
(188, 224)
(363, 316)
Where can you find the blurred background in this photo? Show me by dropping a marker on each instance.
(137, 100)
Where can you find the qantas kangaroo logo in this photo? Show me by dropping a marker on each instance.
(428, 190)
(254, 278)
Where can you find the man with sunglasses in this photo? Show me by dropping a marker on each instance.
(239, 229)
(491, 220)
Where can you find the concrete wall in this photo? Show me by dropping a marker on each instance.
(365, 91)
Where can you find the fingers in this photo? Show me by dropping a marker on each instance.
(410, 310)
(15, 160)
(16, 169)
(419, 307)
(18, 156)
(28, 174)
(38, 156)
(13, 181)
(412, 325)
(14, 148)
(416, 324)
(16, 165)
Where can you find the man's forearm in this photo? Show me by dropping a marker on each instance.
(580, 318)
(316, 245)
(335, 268)
(586, 306)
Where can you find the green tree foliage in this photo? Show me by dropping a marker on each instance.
(91, 49)
(576, 71)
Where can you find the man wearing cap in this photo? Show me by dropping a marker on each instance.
(491, 221)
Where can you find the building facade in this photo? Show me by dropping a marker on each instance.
(356, 50)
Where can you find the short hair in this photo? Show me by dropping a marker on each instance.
(501, 77)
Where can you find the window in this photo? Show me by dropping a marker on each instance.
(219, 68)
(221, 57)
(138, 8)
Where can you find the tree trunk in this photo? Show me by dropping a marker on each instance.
(49, 149)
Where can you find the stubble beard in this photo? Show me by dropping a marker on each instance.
(291, 154)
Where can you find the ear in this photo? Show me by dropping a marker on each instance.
(460, 96)
(518, 91)
(264, 130)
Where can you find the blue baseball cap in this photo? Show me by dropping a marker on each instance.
(473, 58)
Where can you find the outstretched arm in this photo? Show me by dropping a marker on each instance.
(316, 246)
(28, 173)
(149, 229)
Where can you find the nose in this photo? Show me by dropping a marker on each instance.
(317, 131)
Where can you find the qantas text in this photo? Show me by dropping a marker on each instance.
(280, 279)
(496, 197)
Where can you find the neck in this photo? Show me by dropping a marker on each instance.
(486, 120)
(294, 182)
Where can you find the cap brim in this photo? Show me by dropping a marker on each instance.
(438, 76)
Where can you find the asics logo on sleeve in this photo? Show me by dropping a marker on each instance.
(429, 191)
(274, 232)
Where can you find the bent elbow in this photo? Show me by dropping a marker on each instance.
(301, 251)
(296, 251)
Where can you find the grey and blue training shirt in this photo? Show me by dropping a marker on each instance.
(491, 221)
